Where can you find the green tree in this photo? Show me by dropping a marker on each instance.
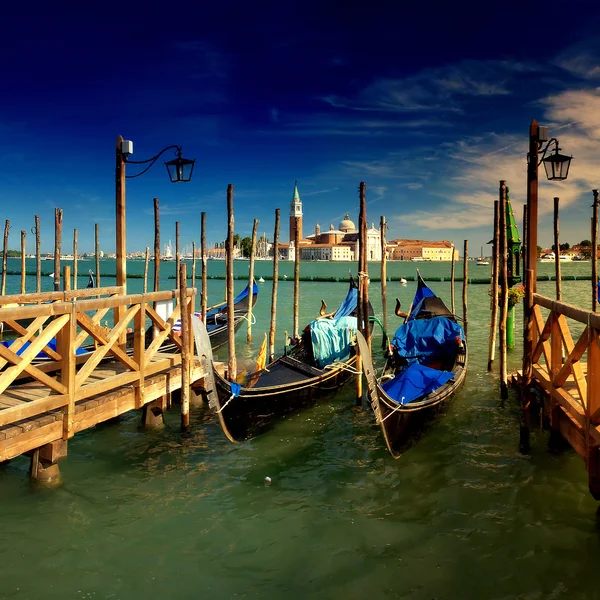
(246, 246)
(564, 247)
(539, 251)
(585, 243)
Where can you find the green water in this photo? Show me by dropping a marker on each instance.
(159, 514)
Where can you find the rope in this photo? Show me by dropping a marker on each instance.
(226, 403)
(399, 407)
(253, 322)
(343, 367)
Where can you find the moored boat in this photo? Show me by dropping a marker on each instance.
(426, 366)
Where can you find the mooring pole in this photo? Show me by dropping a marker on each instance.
(5, 255)
(177, 253)
(38, 256)
(452, 268)
(67, 278)
(494, 298)
(23, 269)
(595, 252)
(274, 292)
(156, 245)
(503, 290)
(146, 261)
(97, 251)
(194, 264)
(465, 284)
(58, 218)
(185, 348)
(251, 280)
(204, 273)
(232, 366)
(75, 251)
(382, 230)
(296, 275)
(557, 252)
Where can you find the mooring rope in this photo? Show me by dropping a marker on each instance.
(226, 403)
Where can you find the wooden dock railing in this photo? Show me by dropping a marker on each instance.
(567, 368)
(71, 318)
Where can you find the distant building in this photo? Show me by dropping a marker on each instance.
(401, 249)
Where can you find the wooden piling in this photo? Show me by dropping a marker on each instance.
(465, 284)
(494, 297)
(595, 252)
(5, 255)
(156, 246)
(97, 253)
(75, 251)
(193, 264)
(525, 240)
(296, 275)
(58, 219)
(23, 269)
(146, 261)
(527, 362)
(204, 273)
(365, 265)
(185, 349)
(452, 268)
(275, 284)
(557, 252)
(67, 278)
(502, 252)
(38, 256)
(177, 254)
(232, 366)
(382, 230)
(251, 279)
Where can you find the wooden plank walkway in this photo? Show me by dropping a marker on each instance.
(163, 376)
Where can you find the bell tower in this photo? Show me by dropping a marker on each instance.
(295, 211)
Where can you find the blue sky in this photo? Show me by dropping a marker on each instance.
(429, 106)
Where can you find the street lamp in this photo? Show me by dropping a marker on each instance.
(180, 171)
(556, 165)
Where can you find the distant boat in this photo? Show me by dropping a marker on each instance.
(481, 261)
(419, 259)
(261, 280)
(403, 281)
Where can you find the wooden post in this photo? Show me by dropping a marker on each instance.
(251, 279)
(465, 284)
(595, 252)
(75, 250)
(58, 217)
(494, 298)
(146, 261)
(274, 291)
(527, 363)
(382, 230)
(232, 366)
(5, 255)
(177, 254)
(502, 252)
(156, 246)
(23, 267)
(38, 256)
(365, 265)
(204, 273)
(97, 253)
(121, 244)
(193, 264)
(185, 348)
(67, 278)
(532, 201)
(452, 268)
(296, 274)
(525, 241)
(557, 252)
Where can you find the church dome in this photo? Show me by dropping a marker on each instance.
(347, 224)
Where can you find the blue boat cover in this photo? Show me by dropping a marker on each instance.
(331, 339)
(427, 338)
(51, 344)
(348, 306)
(415, 382)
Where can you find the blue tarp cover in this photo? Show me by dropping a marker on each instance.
(331, 339)
(422, 292)
(51, 344)
(427, 338)
(414, 382)
(348, 305)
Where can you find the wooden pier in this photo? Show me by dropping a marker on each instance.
(96, 371)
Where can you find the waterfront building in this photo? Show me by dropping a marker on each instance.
(416, 250)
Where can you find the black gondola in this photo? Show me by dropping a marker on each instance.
(427, 364)
(294, 380)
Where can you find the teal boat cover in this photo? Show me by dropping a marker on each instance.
(415, 382)
(331, 339)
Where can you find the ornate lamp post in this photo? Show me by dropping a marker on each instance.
(180, 171)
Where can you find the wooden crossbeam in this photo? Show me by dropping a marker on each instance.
(572, 364)
(23, 362)
(544, 333)
(101, 352)
(593, 375)
(82, 335)
(99, 335)
(162, 336)
(575, 409)
(28, 333)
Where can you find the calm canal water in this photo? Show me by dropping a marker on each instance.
(158, 514)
